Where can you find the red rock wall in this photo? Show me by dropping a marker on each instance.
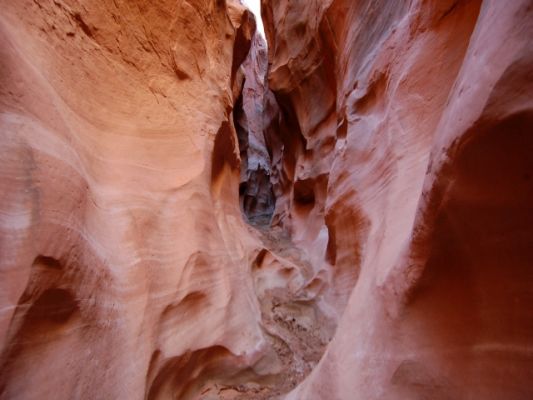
(125, 262)
(395, 135)
(408, 180)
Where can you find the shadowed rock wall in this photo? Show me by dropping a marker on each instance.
(251, 118)
(408, 179)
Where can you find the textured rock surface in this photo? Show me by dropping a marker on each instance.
(410, 175)
(117, 198)
(391, 140)
(126, 268)
(251, 117)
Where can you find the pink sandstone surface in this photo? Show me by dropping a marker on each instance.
(412, 176)
(343, 212)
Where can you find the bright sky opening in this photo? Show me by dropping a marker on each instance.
(255, 7)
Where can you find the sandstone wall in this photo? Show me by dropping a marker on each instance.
(125, 262)
(409, 180)
(391, 141)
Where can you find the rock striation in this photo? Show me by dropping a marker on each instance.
(408, 181)
(188, 213)
(127, 268)
(119, 187)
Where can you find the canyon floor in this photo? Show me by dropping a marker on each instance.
(295, 328)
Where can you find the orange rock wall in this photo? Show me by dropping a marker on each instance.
(125, 262)
(392, 137)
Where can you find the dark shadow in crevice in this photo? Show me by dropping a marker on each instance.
(256, 194)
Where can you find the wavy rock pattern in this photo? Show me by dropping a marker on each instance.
(381, 151)
(408, 180)
(125, 262)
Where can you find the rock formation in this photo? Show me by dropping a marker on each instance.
(251, 117)
(409, 177)
(183, 215)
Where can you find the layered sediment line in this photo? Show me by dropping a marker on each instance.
(186, 214)
(128, 270)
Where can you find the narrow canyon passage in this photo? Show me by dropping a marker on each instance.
(337, 208)
(285, 281)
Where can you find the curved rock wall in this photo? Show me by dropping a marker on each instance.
(125, 261)
(409, 181)
(391, 141)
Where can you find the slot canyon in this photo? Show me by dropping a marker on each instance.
(337, 208)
